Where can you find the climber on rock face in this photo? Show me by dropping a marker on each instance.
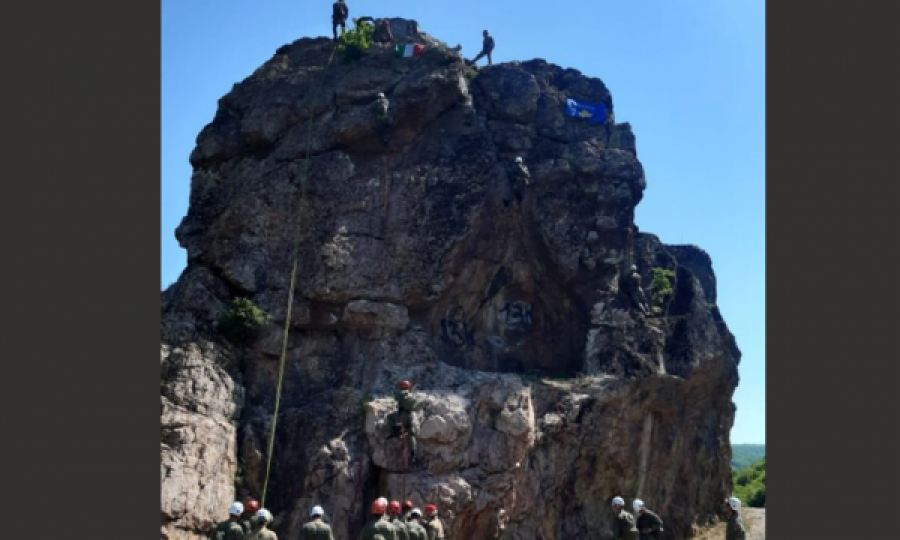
(649, 525)
(261, 530)
(377, 525)
(339, 13)
(380, 106)
(316, 529)
(734, 528)
(250, 509)
(636, 292)
(521, 178)
(433, 523)
(230, 529)
(399, 525)
(402, 421)
(624, 527)
(414, 525)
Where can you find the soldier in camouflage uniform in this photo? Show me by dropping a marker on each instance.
(378, 526)
(230, 529)
(633, 284)
(407, 508)
(414, 526)
(433, 523)
(380, 107)
(649, 525)
(406, 405)
(316, 529)
(399, 524)
(623, 526)
(261, 531)
(251, 507)
(734, 528)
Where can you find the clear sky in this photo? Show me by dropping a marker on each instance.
(689, 75)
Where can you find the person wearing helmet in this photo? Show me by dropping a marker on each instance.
(623, 527)
(399, 524)
(315, 528)
(433, 523)
(250, 509)
(380, 108)
(377, 525)
(414, 525)
(339, 14)
(734, 528)
(649, 525)
(521, 178)
(407, 507)
(402, 420)
(261, 520)
(231, 528)
(635, 291)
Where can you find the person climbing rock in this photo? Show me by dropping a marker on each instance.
(649, 525)
(623, 526)
(734, 527)
(406, 405)
(231, 528)
(250, 509)
(377, 525)
(487, 47)
(380, 106)
(521, 178)
(433, 523)
(414, 526)
(383, 32)
(635, 291)
(315, 528)
(261, 531)
(339, 13)
(399, 524)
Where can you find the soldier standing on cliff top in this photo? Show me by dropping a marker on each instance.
(339, 14)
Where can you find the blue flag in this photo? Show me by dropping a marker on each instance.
(592, 112)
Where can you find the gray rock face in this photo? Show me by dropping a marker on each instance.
(543, 391)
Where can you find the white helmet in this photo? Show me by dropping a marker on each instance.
(380, 95)
(519, 159)
(235, 509)
(317, 511)
(384, 500)
(637, 504)
(416, 512)
(734, 503)
(618, 501)
(263, 515)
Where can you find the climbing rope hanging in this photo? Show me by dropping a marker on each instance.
(290, 301)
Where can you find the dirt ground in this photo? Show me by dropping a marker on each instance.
(754, 521)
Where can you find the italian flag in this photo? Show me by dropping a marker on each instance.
(405, 50)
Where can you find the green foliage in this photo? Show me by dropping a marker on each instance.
(241, 320)
(356, 41)
(750, 484)
(661, 285)
(744, 455)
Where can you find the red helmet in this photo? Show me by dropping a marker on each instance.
(430, 510)
(394, 508)
(251, 506)
(407, 505)
(404, 385)
(377, 508)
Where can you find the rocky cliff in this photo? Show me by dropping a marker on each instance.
(544, 391)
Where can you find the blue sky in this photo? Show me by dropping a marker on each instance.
(689, 76)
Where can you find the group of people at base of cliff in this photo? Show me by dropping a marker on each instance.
(389, 521)
(648, 525)
(340, 12)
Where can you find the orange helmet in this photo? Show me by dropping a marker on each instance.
(394, 508)
(377, 508)
(430, 510)
(404, 385)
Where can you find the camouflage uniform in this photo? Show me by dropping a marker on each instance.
(637, 292)
(623, 527)
(316, 530)
(402, 531)
(416, 530)
(649, 520)
(262, 533)
(380, 107)
(228, 530)
(378, 526)
(406, 404)
(734, 529)
(435, 529)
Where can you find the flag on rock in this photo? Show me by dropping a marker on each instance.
(405, 50)
(592, 112)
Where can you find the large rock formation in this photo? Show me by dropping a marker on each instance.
(544, 391)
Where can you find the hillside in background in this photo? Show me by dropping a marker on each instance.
(744, 455)
(750, 484)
